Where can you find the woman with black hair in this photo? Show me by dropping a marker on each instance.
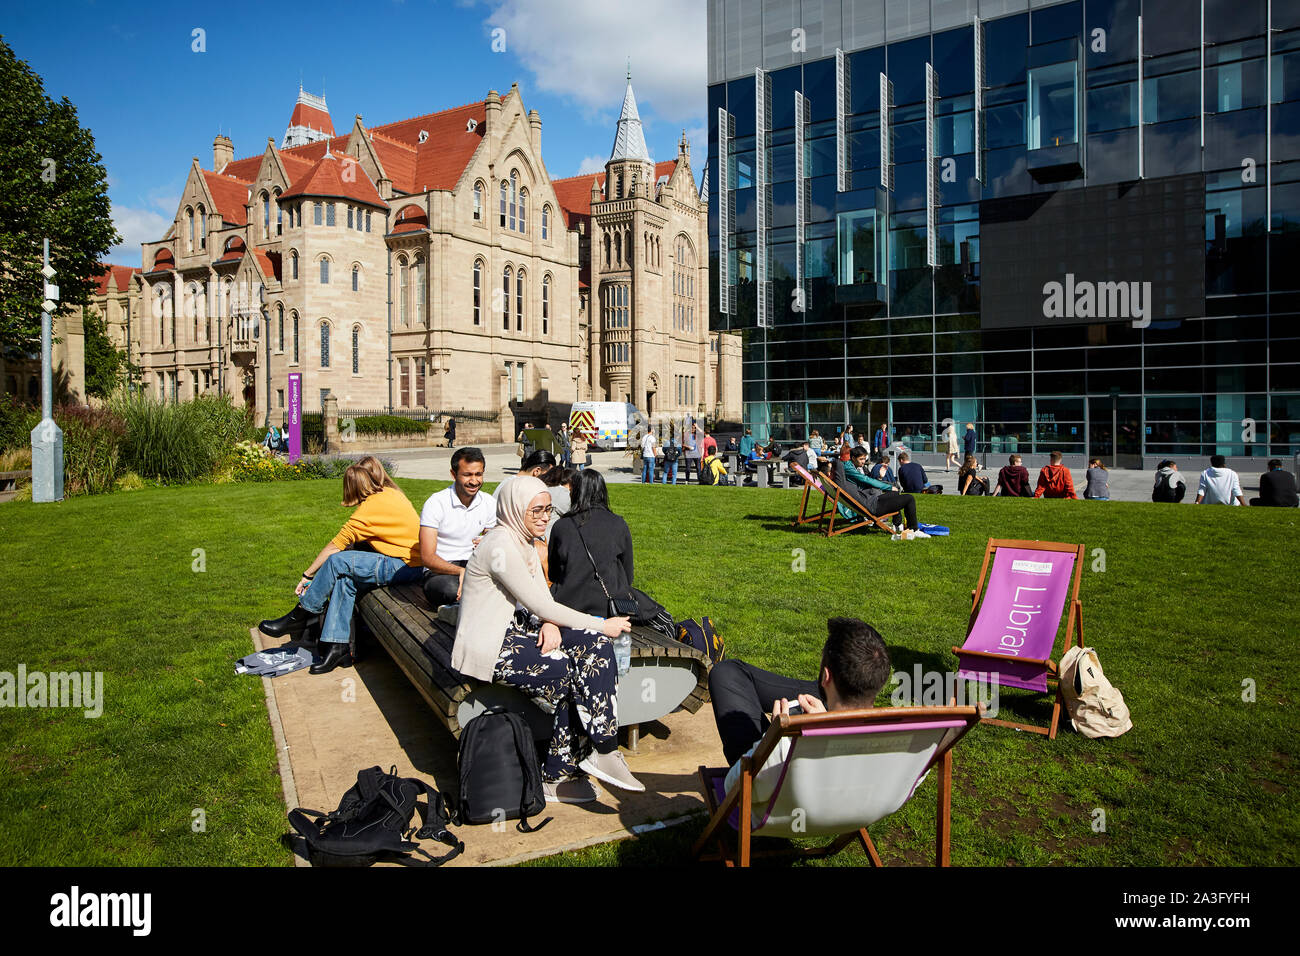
(588, 540)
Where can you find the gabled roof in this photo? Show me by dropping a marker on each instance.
(269, 263)
(121, 276)
(230, 196)
(325, 178)
(574, 193)
(311, 117)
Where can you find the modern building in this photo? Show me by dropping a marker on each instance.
(429, 264)
(1074, 224)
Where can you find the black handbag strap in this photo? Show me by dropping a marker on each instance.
(599, 579)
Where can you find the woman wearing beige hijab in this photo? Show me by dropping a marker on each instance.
(511, 631)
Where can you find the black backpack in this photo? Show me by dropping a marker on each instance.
(374, 818)
(500, 775)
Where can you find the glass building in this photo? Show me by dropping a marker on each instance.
(1074, 224)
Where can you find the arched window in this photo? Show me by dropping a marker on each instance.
(627, 253)
(546, 223)
(546, 305)
(478, 291)
(279, 215)
(607, 252)
(520, 278)
(418, 267)
(324, 272)
(505, 300)
(514, 198)
(266, 216)
(478, 202)
(280, 315)
(189, 221)
(295, 338)
(403, 292)
(324, 345)
(356, 278)
(293, 264)
(505, 189)
(523, 211)
(192, 306)
(203, 228)
(356, 349)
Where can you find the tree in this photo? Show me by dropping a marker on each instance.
(105, 362)
(52, 186)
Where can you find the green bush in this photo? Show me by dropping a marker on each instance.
(180, 442)
(389, 425)
(92, 448)
(16, 422)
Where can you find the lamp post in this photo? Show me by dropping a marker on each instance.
(47, 437)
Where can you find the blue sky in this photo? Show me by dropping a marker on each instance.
(152, 102)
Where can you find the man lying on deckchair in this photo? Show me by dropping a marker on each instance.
(854, 666)
(878, 496)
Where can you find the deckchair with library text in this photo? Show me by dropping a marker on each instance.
(1015, 616)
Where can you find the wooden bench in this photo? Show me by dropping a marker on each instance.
(400, 619)
(9, 483)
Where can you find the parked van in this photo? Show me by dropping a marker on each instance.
(606, 425)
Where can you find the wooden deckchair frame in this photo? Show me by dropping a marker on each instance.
(845, 496)
(741, 795)
(803, 517)
(1073, 625)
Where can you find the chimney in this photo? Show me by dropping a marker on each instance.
(492, 122)
(535, 131)
(223, 151)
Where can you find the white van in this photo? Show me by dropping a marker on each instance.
(607, 425)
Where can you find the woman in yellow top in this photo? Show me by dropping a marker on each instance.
(386, 525)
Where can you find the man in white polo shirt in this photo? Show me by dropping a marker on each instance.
(450, 522)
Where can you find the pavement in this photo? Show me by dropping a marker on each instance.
(330, 726)
(619, 468)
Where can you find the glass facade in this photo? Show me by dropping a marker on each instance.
(1137, 185)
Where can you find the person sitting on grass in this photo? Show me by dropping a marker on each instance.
(1169, 487)
(854, 667)
(550, 652)
(969, 481)
(879, 498)
(385, 521)
(912, 477)
(1013, 479)
(1054, 480)
(1276, 488)
(1219, 484)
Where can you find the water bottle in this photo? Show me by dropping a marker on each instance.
(623, 653)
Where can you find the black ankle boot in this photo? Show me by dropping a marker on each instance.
(337, 656)
(295, 622)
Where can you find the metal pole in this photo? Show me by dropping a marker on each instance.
(267, 315)
(47, 437)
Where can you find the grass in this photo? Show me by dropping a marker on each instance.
(1189, 606)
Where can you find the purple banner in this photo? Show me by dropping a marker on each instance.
(294, 425)
(1019, 616)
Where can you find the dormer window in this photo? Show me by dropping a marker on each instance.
(424, 135)
(471, 126)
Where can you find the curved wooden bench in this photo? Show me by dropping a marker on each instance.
(664, 675)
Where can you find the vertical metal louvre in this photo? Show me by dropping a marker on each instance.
(762, 193)
(931, 169)
(1141, 90)
(800, 200)
(979, 100)
(886, 132)
(841, 121)
(725, 210)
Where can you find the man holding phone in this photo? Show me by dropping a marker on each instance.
(451, 523)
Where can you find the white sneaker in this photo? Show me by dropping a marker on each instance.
(570, 790)
(612, 769)
(920, 534)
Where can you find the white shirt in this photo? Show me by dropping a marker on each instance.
(1221, 486)
(648, 445)
(456, 524)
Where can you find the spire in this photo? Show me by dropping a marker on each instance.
(629, 141)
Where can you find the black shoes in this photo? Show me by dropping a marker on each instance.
(295, 622)
(337, 656)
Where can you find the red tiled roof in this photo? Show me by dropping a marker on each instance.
(269, 263)
(325, 178)
(312, 118)
(230, 196)
(247, 169)
(120, 274)
(234, 251)
(574, 193)
(411, 218)
(163, 259)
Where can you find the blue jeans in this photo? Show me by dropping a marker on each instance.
(670, 470)
(647, 471)
(341, 578)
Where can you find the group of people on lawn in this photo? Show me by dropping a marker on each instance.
(529, 567)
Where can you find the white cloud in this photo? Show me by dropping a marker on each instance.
(137, 226)
(592, 164)
(667, 48)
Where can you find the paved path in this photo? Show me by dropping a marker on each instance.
(618, 468)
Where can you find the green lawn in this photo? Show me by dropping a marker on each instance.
(1192, 602)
